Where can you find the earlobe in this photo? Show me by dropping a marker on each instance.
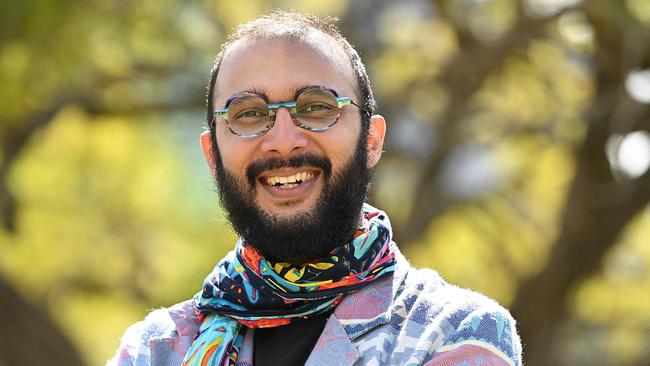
(376, 134)
(206, 147)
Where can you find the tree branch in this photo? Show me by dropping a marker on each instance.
(462, 77)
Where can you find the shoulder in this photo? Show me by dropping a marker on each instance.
(457, 322)
(134, 346)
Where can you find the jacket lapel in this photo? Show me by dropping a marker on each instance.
(334, 347)
(356, 315)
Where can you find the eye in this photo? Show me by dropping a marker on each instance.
(251, 113)
(317, 107)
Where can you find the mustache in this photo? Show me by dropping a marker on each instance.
(305, 160)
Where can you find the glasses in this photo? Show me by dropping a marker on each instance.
(315, 109)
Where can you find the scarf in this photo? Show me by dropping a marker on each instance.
(245, 290)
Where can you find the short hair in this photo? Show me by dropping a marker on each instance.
(293, 25)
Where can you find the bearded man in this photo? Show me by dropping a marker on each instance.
(315, 277)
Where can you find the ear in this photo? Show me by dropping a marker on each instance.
(376, 134)
(206, 147)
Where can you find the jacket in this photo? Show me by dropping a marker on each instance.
(410, 318)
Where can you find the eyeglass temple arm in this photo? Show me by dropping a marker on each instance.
(343, 101)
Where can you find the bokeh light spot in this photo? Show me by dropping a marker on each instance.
(629, 155)
(637, 85)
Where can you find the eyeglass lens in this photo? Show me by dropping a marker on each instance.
(315, 109)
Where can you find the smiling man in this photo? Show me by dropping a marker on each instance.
(315, 277)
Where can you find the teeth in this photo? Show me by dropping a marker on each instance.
(291, 180)
(288, 185)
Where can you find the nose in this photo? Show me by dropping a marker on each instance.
(285, 138)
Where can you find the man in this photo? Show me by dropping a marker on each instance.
(315, 278)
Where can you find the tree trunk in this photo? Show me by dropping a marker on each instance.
(28, 336)
(598, 207)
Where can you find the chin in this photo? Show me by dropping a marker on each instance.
(288, 210)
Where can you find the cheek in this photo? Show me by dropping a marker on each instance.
(343, 150)
(231, 150)
(234, 160)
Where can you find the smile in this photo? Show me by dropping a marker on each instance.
(289, 181)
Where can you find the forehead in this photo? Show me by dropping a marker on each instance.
(279, 66)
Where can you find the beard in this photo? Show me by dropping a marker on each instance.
(304, 236)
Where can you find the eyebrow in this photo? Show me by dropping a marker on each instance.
(263, 93)
(303, 88)
(252, 90)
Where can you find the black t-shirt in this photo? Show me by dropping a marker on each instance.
(289, 344)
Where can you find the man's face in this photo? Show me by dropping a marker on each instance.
(299, 221)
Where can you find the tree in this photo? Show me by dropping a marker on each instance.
(489, 104)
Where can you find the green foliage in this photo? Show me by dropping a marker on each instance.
(117, 216)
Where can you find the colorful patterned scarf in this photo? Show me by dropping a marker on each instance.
(246, 290)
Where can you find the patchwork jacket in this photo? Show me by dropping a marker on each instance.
(410, 318)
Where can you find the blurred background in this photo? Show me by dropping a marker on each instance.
(516, 162)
